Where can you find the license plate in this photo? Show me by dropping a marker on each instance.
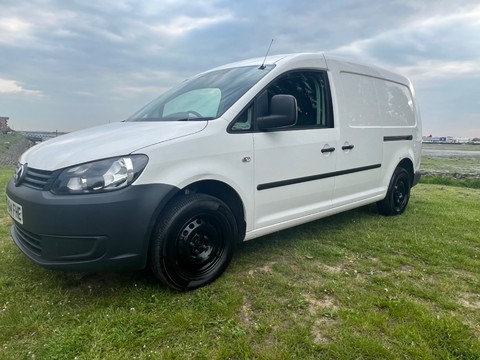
(15, 210)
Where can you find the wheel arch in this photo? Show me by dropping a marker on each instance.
(225, 193)
(215, 188)
(407, 164)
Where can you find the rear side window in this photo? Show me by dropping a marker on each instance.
(373, 102)
(396, 104)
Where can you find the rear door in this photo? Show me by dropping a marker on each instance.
(360, 146)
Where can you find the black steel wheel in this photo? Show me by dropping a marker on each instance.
(398, 194)
(193, 242)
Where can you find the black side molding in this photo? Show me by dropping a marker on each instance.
(398, 138)
(275, 184)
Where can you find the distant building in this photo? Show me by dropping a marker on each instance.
(447, 140)
(3, 124)
(462, 140)
(437, 139)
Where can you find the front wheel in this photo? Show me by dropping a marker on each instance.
(398, 194)
(193, 242)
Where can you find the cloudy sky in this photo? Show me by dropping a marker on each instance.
(67, 65)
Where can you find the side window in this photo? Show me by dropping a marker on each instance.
(311, 90)
(244, 121)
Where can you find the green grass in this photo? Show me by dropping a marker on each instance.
(352, 286)
(7, 141)
(467, 182)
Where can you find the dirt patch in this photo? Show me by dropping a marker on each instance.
(320, 329)
(332, 269)
(266, 269)
(316, 305)
(245, 312)
(321, 326)
(470, 301)
(405, 269)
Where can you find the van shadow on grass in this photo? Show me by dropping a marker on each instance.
(257, 251)
(321, 229)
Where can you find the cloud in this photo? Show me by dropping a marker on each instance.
(13, 29)
(98, 60)
(436, 69)
(13, 87)
(184, 24)
(448, 36)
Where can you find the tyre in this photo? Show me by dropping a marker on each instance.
(398, 194)
(193, 242)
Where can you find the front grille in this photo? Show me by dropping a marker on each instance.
(31, 241)
(37, 179)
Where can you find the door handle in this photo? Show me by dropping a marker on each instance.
(328, 150)
(347, 147)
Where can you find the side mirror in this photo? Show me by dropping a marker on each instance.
(283, 113)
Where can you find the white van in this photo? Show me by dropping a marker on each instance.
(232, 154)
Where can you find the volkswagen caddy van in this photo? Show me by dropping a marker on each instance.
(231, 154)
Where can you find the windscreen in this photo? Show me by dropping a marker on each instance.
(204, 97)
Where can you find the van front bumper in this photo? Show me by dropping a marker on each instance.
(90, 232)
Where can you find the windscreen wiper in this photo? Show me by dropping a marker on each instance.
(196, 118)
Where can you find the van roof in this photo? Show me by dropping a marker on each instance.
(346, 65)
(269, 60)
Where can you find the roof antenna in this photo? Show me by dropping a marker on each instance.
(263, 63)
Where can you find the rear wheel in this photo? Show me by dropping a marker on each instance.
(398, 194)
(193, 242)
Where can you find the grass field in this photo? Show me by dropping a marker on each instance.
(353, 286)
(451, 164)
(7, 141)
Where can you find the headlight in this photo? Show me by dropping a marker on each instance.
(100, 176)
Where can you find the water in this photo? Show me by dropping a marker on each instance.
(450, 153)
